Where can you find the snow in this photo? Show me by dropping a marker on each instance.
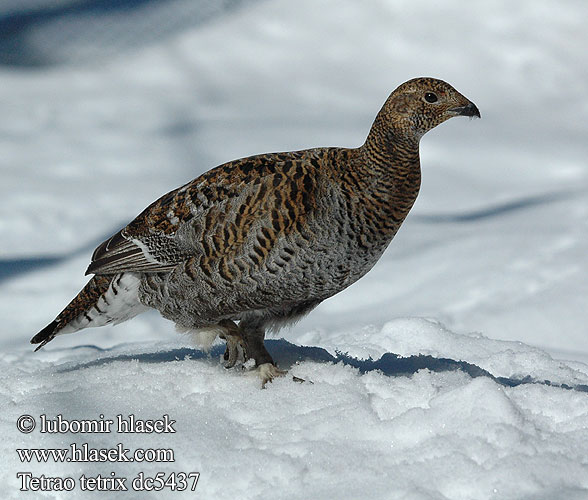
(456, 369)
(430, 434)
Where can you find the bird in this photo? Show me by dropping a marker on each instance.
(255, 244)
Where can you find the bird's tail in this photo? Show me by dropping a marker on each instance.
(104, 300)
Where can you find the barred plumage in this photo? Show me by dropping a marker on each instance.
(258, 242)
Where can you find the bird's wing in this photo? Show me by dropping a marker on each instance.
(215, 215)
(148, 252)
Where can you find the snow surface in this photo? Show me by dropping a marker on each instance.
(456, 369)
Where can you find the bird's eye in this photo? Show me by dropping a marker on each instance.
(430, 97)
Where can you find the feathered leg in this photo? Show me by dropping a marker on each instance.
(253, 335)
(235, 351)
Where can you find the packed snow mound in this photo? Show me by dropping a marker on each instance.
(420, 336)
(348, 430)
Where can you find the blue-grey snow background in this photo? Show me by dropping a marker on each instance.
(107, 104)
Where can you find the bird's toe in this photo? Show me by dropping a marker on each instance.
(235, 352)
(267, 372)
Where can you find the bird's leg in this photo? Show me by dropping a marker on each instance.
(235, 351)
(255, 347)
(266, 369)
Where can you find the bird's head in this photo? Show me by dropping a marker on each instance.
(421, 104)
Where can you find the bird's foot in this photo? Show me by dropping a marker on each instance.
(267, 372)
(235, 353)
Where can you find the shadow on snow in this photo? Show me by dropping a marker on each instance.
(13, 267)
(287, 354)
(496, 210)
(120, 23)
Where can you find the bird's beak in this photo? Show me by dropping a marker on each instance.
(470, 109)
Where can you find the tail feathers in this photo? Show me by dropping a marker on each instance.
(45, 335)
(104, 300)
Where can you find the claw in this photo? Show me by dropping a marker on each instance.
(234, 353)
(267, 372)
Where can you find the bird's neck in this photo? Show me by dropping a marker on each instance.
(389, 168)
